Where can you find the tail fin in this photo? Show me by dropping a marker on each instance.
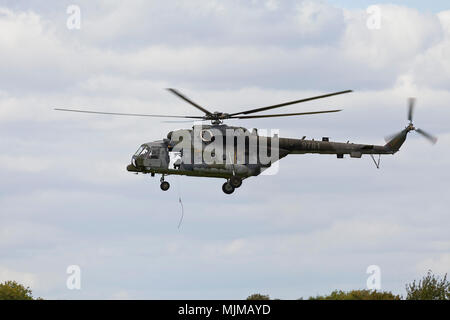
(395, 142)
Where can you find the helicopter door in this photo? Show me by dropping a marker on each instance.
(153, 157)
(158, 157)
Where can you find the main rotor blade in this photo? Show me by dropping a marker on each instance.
(289, 103)
(428, 136)
(127, 114)
(183, 121)
(178, 94)
(411, 104)
(283, 114)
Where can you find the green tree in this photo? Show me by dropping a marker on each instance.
(358, 295)
(11, 290)
(258, 296)
(430, 287)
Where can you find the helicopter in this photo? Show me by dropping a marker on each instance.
(234, 153)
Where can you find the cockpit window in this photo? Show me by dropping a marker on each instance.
(138, 152)
(141, 151)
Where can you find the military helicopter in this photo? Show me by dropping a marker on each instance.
(235, 153)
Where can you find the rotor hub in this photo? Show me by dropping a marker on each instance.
(217, 117)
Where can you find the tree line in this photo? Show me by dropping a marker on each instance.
(430, 287)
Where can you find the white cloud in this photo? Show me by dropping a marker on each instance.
(314, 18)
(440, 265)
(360, 57)
(25, 278)
(404, 33)
(24, 163)
(444, 18)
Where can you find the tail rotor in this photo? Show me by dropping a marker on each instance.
(392, 138)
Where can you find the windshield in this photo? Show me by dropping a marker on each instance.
(142, 150)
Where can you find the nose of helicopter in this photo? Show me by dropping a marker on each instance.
(132, 166)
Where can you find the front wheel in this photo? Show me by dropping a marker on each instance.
(235, 181)
(165, 186)
(227, 188)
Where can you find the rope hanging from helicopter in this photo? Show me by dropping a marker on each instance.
(180, 201)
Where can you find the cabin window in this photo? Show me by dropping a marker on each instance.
(155, 153)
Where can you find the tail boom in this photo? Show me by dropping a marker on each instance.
(302, 146)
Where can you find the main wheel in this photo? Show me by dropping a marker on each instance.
(227, 188)
(235, 181)
(165, 186)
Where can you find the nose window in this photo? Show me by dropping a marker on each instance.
(138, 152)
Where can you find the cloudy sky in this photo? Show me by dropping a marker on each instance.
(66, 198)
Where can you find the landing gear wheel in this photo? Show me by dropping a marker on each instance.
(227, 188)
(236, 181)
(165, 186)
